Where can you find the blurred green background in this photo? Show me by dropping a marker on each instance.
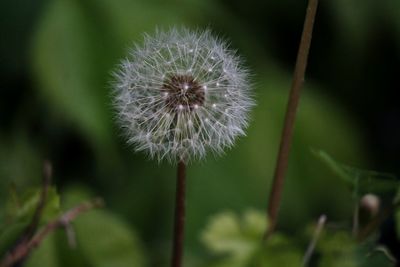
(56, 59)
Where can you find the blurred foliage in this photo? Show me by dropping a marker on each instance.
(239, 238)
(238, 241)
(360, 181)
(19, 213)
(103, 239)
(340, 249)
(60, 55)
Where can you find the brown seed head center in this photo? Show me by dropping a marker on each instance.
(182, 92)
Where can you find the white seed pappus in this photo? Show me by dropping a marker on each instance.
(180, 94)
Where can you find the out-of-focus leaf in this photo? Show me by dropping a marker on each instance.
(45, 255)
(107, 241)
(380, 256)
(19, 213)
(9, 235)
(237, 237)
(67, 68)
(278, 251)
(238, 240)
(19, 164)
(337, 250)
(23, 208)
(361, 181)
(103, 239)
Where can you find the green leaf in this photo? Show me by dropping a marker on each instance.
(103, 239)
(45, 255)
(380, 256)
(226, 233)
(19, 163)
(9, 235)
(19, 213)
(106, 240)
(67, 67)
(22, 208)
(238, 240)
(278, 251)
(337, 250)
(361, 181)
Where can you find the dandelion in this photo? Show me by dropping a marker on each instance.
(180, 94)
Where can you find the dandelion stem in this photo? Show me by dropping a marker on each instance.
(179, 224)
(287, 133)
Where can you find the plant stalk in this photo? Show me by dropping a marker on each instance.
(179, 224)
(287, 133)
(311, 246)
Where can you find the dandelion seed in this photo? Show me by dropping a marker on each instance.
(161, 86)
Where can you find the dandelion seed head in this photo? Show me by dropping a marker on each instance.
(169, 99)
